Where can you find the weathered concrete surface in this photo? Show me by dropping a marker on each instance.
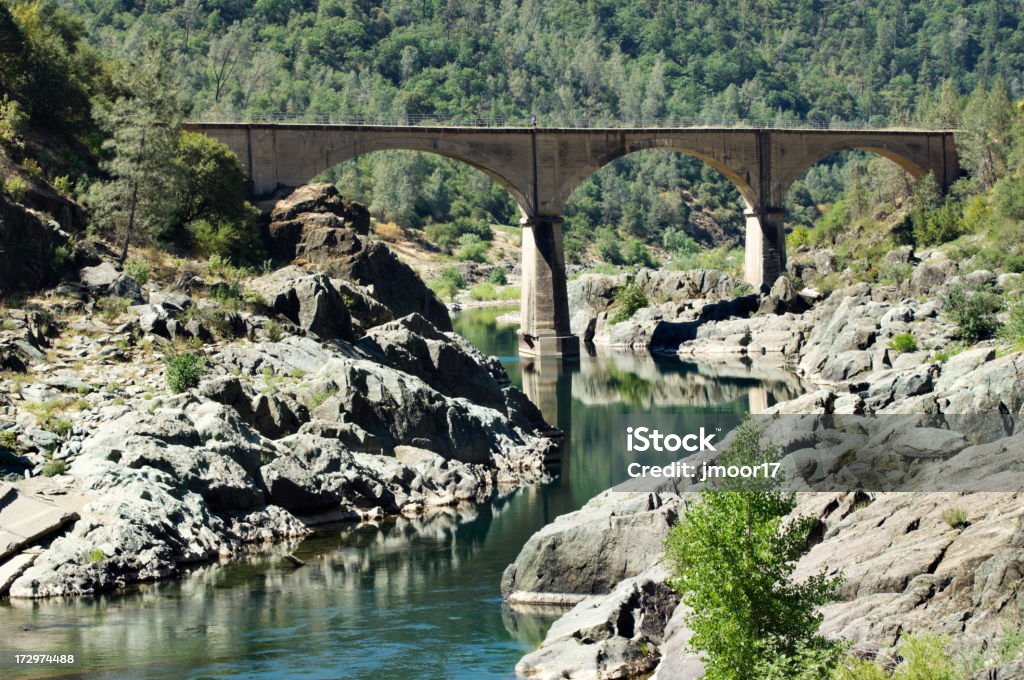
(540, 168)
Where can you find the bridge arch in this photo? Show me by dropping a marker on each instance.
(462, 153)
(741, 179)
(916, 154)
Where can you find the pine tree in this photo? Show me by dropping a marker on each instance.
(139, 200)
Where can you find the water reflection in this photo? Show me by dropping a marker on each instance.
(412, 598)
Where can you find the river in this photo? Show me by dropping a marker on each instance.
(412, 598)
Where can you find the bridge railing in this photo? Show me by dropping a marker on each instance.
(548, 122)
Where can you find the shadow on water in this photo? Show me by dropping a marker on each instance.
(414, 597)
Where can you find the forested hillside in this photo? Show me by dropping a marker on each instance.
(569, 59)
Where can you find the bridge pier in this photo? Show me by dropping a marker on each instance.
(544, 307)
(764, 256)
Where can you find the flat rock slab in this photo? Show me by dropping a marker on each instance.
(25, 519)
(15, 567)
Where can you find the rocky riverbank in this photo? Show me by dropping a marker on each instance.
(942, 561)
(328, 390)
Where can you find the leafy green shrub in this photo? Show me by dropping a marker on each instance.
(939, 225)
(454, 276)
(448, 283)
(62, 256)
(467, 226)
(973, 311)
(443, 235)
(956, 518)
(923, 657)
(488, 291)
(214, 238)
(1013, 330)
(62, 185)
(13, 123)
(732, 557)
(904, 342)
(896, 273)
(608, 247)
(834, 222)
(1009, 197)
(61, 427)
(498, 277)
(138, 270)
(853, 668)
(636, 253)
(679, 242)
(800, 236)
(575, 247)
(33, 168)
(471, 249)
(97, 555)
(8, 440)
(483, 291)
(274, 330)
(54, 468)
(16, 188)
(183, 370)
(628, 300)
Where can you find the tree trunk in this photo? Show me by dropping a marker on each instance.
(133, 202)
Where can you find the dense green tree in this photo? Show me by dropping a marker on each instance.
(733, 555)
(139, 200)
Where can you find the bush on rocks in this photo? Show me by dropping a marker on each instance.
(183, 370)
(628, 300)
(973, 311)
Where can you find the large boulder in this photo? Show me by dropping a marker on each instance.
(317, 228)
(589, 295)
(607, 636)
(694, 284)
(203, 447)
(392, 282)
(446, 362)
(309, 300)
(615, 536)
(315, 214)
(323, 199)
(397, 408)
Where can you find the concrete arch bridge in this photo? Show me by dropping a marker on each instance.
(540, 167)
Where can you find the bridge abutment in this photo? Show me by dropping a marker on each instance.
(544, 309)
(765, 252)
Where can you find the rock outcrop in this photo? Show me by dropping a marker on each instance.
(29, 243)
(678, 303)
(608, 636)
(318, 229)
(614, 536)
